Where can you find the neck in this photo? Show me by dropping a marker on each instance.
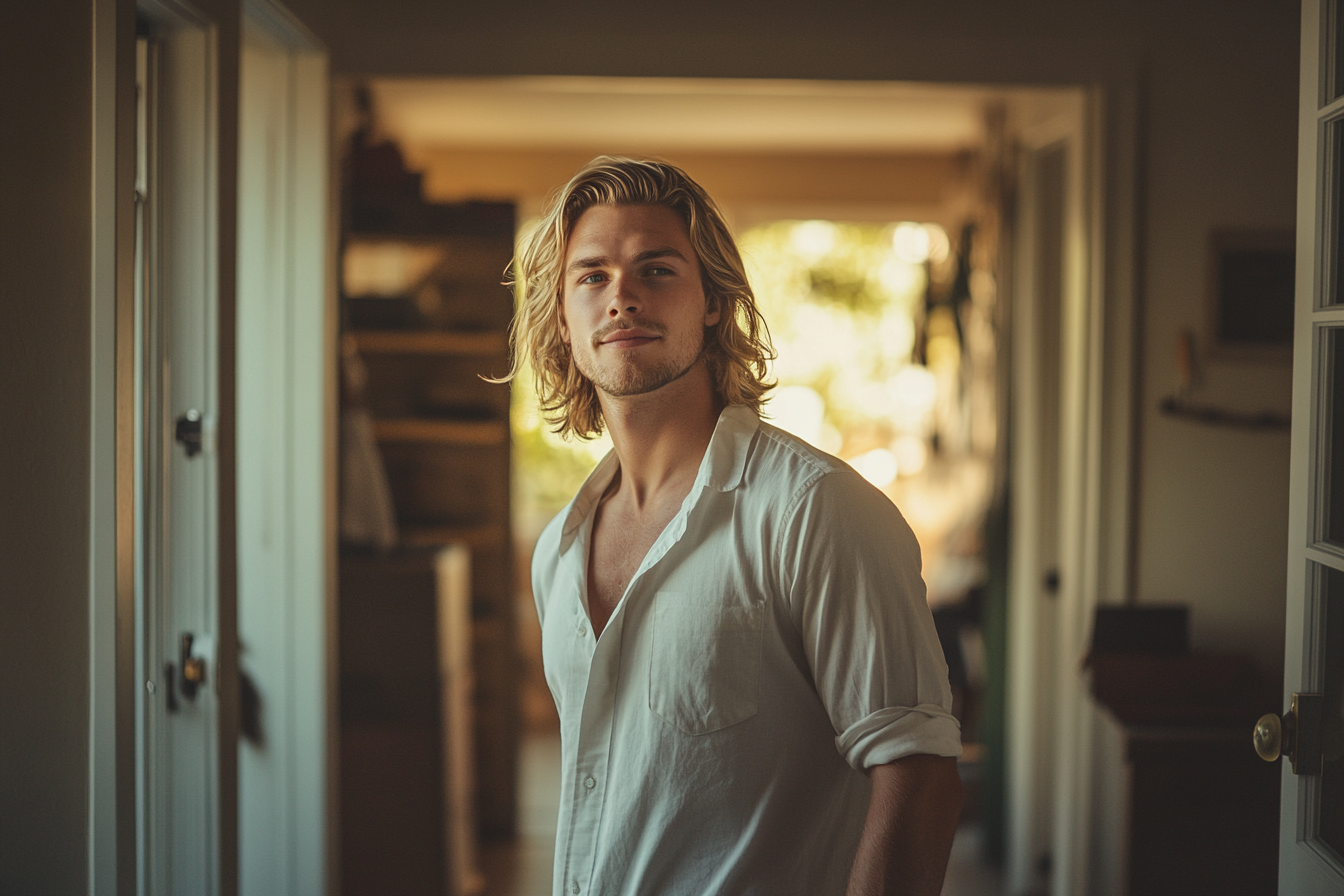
(660, 437)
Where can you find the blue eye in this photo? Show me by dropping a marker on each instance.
(593, 278)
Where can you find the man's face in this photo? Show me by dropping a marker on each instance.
(634, 311)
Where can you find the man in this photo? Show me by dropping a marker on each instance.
(751, 693)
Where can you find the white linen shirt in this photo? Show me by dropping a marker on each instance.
(774, 642)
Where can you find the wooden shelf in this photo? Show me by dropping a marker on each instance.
(442, 432)
(475, 537)
(430, 342)
(1215, 416)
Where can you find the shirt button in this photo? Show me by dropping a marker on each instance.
(590, 782)
(582, 630)
(574, 888)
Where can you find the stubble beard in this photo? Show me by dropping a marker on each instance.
(632, 378)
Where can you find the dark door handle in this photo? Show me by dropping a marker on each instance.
(187, 432)
(170, 682)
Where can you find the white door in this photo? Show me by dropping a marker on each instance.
(1312, 809)
(1056, 369)
(178, 806)
(285, 342)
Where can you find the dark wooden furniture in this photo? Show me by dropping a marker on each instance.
(444, 431)
(1201, 813)
(407, 778)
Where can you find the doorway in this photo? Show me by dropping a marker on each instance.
(906, 167)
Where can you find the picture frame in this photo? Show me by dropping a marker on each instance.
(1249, 306)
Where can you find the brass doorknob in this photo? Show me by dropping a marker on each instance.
(1268, 737)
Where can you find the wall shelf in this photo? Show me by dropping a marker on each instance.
(475, 537)
(1215, 416)
(430, 342)
(442, 432)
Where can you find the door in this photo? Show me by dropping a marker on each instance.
(1056, 358)
(1311, 849)
(176, 468)
(285, 342)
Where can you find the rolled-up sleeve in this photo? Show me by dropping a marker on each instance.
(851, 572)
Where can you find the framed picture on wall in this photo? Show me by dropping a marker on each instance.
(1249, 310)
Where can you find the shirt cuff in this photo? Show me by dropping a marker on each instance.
(889, 734)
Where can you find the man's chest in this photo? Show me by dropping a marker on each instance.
(690, 608)
(620, 542)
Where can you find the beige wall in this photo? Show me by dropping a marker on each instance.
(1214, 502)
(44, 453)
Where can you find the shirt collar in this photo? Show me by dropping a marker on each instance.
(721, 469)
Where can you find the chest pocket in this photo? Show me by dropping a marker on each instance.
(705, 661)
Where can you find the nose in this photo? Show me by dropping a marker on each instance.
(625, 297)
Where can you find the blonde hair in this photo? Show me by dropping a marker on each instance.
(737, 348)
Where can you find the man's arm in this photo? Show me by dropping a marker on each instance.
(908, 832)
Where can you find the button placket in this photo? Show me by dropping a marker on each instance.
(597, 718)
(597, 712)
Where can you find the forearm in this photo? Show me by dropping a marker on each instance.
(908, 832)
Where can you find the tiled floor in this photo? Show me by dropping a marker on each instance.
(523, 868)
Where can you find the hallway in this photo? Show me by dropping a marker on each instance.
(523, 868)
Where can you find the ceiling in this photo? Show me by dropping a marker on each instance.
(663, 114)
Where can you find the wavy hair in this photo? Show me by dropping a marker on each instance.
(737, 348)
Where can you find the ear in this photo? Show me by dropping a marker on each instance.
(560, 317)
(712, 314)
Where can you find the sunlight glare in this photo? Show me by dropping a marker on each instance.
(799, 410)
(878, 466)
(813, 239)
(910, 242)
(915, 387)
(898, 277)
(911, 454)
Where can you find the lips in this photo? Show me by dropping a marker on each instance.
(627, 337)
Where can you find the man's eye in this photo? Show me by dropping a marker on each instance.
(594, 278)
(661, 271)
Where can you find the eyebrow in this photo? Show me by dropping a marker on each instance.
(597, 261)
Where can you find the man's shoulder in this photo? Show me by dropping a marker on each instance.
(781, 458)
(801, 475)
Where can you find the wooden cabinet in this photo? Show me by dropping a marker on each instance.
(407, 746)
(1189, 810)
(426, 340)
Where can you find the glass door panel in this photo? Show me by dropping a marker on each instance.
(1334, 31)
(1331, 474)
(1329, 583)
(1332, 233)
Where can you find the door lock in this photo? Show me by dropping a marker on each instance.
(187, 431)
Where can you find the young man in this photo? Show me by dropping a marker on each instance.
(751, 692)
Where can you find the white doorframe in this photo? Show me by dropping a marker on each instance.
(1307, 865)
(112, 681)
(284, 376)
(1050, 719)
